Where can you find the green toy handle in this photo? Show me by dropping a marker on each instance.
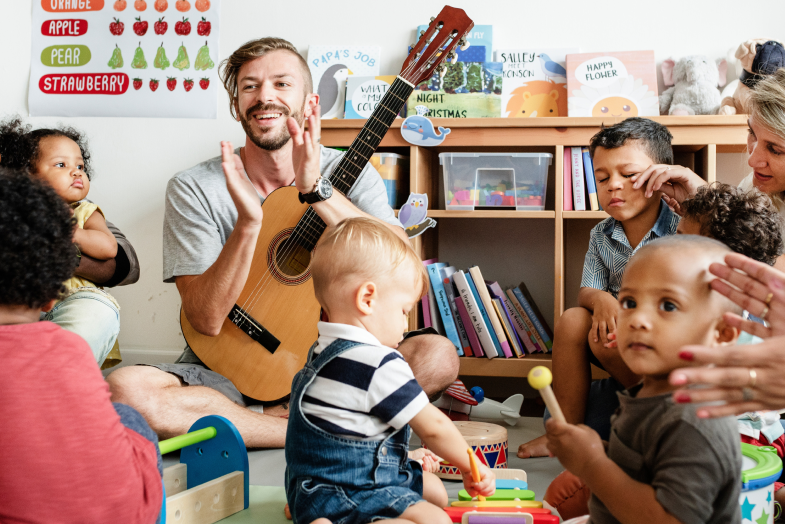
(175, 443)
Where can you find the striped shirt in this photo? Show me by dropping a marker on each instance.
(366, 392)
(609, 250)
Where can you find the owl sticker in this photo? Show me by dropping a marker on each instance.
(414, 215)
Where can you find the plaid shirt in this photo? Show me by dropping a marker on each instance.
(609, 250)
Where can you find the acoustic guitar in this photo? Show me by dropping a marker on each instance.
(264, 340)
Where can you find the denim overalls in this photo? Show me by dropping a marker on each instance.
(343, 479)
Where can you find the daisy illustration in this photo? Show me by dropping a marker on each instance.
(623, 98)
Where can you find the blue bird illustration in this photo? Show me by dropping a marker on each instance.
(551, 68)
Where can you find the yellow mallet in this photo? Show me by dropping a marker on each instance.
(540, 378)
(475, 471)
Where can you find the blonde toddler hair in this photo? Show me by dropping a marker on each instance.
(767, 103)
(362, 249)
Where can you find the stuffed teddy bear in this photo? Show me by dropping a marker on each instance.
(758, 57)
(695, 80)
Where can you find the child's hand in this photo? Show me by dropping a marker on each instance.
(487, 485)
(578, 448)
(676, 182)
(606, 309)
(427, 458)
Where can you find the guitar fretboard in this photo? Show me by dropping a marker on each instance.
(310, 227)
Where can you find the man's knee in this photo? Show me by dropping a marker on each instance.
(133, 385)
(433, 360)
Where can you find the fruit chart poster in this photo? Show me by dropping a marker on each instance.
(139, 58)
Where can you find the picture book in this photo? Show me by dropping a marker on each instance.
(446, 274)
(476, 316)
(578, 184)
(534, 334)
(591, 184)
(363, 94)
(486, 300)
(479, 36)
(496, 292)
(448, 322)
(508, 331)
(618, 85)
(526, 300)
(535, 82)
(528, 340)
(567, 185)
(462, 90)
(486, 314)
(476, 348)
(330, 67)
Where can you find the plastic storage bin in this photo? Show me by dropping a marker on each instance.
(503, 180)
(394, 169)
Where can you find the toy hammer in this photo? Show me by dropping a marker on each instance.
(540, 378)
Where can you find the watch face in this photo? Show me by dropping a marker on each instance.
(325, 188)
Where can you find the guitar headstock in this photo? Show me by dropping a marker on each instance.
(445, 32)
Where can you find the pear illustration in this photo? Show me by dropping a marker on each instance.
(203, 61)
(117, 58)
(161, 62)
(182, 62)
(139, 62)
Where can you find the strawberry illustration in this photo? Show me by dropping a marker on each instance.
(183, 28)
(138, 84)
(204, 83)
(116, 27)
(140, 27)
(188, 84)
(203, 28)
(160, 26)
(171, 83)
(153, 84)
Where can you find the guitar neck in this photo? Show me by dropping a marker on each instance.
(311, 226)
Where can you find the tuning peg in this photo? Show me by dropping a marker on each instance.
(433, 18)
(463, 43)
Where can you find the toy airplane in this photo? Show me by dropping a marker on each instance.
(460, 404)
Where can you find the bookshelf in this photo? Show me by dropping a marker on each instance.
(696, 141)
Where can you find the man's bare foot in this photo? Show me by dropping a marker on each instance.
(534, 448)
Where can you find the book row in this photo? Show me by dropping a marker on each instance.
(480, 318)
(580, 186)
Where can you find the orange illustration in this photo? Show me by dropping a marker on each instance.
(202, 5)
(120, 5)
(140, 5)
(161, 5)
(538, 98)
(182, 5)
(615, 106)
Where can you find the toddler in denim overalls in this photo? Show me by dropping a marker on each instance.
(353, 402)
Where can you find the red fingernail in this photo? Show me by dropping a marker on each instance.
(686, 355)
(682, 398)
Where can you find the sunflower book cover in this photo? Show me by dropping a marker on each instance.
(619, 84)
(462, 90)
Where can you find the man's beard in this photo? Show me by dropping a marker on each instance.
(272, 140)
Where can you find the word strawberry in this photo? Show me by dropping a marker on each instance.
(204, 83)
(183, 27)
(140, 27)
(171, 83)
(160, 26)
(188, 84)
(137, 83)
(116, 27)
(203, 28)
(153, 84)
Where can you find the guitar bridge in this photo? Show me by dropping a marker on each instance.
(253, 329)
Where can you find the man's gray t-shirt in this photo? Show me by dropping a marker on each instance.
(200, 214)
(693, 464)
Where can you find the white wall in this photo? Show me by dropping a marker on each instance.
(135, 157)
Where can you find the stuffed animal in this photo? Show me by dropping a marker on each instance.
(695, 80)
(758, 57)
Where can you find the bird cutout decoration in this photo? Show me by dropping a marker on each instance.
(418, 130)
(332, 90)
(550, 68)
(414, 215)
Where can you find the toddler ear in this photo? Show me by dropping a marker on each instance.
(365, 298)
(46, 308)
(726, 334)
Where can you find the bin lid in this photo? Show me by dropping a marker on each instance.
(760, 466)
(449, 156)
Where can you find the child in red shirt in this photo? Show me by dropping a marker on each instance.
(67, 455)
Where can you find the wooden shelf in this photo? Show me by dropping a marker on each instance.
(511, 367)
(443, 213)
(601, 215)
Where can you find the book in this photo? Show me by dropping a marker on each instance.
(578, 184)
(508, 331)
(614, 84)
(476, 348)
(488, 303)
(527, 339)
(363, 94)
(471, 302)
(425, 302)
(526, 300)
(446, 274)
(591, 185)
(496, 292)
(535, 82)
(463, 90)
(448, 322)
(535, 336)
(567, 185)
(331, 66)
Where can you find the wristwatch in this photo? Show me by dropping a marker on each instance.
(322, 191)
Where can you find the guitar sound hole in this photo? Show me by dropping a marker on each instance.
(291, 258)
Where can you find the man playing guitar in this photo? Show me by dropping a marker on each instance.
(212, 222)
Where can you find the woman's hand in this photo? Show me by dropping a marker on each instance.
(677, 183)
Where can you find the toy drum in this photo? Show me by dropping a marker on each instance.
(760, 467)
(488, 441)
